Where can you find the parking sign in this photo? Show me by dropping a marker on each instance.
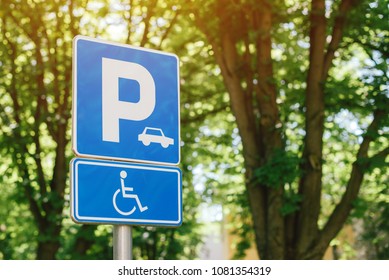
(125, 102)
(109, 192)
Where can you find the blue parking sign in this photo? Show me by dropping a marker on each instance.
(109, 192)
(125, 102)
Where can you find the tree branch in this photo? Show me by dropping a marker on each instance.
(343, 209)
(378, 157)
(129, 20)
(147, 21)
(167, 31)
(337, 33)
(204, 115)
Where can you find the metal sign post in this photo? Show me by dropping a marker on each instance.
(122, 242)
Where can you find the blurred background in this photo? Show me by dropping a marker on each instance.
(284, 127)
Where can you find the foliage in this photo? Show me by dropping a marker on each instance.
(281, 169)
(303, 146)
(376, 228)
(303, 80)
(35, 98)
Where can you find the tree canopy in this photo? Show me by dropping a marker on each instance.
(278, 62)
(284, 122)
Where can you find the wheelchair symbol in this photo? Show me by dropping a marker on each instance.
(125, 194)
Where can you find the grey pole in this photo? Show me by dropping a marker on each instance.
(122, 242)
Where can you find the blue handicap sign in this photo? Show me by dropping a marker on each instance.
(125, 102)
(107, 192)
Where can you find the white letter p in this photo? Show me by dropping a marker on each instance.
(113, 109)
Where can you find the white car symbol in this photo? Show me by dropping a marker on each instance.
(155, 135)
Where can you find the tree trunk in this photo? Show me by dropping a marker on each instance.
(253, 101)
(310, 184)
(47, 250)
(259, 138)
